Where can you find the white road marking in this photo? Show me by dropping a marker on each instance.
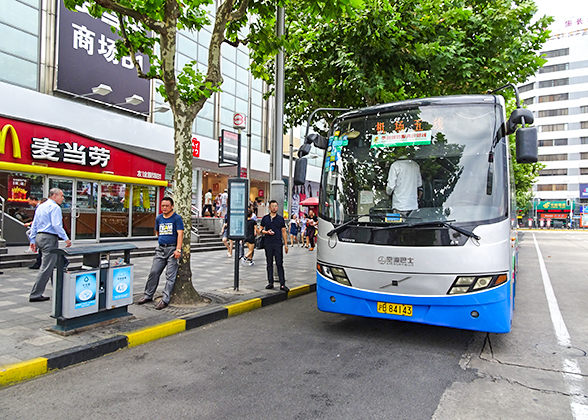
(572, 373)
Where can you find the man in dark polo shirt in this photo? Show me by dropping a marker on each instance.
(274, 229)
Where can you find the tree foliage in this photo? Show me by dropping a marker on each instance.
(151, 27)
(391, 51)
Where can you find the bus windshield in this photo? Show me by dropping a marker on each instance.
(434, 163)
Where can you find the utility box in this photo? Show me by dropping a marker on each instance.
(119, 286)
(79, 293)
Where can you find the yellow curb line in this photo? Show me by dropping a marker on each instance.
(241, 307)
(300, 290)
(148, 334)
(17, 372)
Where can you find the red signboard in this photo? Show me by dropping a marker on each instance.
(554, 215)
(26, 143)
(243, 172)
(260, 193)
(195, 147)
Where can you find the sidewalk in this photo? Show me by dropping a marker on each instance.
(23, 325)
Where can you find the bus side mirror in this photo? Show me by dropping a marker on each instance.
(304, 150)
(318, 140)
(526, 143)
(520, 116)
(300, 172)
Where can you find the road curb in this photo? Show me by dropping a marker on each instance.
(18, 372)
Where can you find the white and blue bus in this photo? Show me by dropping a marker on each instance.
(417, 214)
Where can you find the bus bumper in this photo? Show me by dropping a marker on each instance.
(493, 307)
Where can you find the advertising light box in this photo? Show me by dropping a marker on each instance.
(119, 286)
(80, 293)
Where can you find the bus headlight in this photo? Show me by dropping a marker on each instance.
(333, 273)
(466, 284)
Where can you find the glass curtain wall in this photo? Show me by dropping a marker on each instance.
(19, 42)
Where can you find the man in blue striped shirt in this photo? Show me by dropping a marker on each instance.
(46, 230)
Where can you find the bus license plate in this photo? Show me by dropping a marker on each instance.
(394, 309)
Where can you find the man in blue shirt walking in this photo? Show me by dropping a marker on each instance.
(169, 228)
(46, 230)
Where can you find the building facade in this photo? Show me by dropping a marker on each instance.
(59, 75)
(558, 97)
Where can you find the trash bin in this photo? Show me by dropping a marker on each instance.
(100, 291)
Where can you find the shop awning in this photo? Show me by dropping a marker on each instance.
(311, 201)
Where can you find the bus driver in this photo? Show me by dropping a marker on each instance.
(405, 184)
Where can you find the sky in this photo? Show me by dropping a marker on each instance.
(562, 10)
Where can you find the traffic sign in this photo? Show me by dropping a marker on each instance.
(239, 120)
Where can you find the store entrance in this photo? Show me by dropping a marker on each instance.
(79, 208)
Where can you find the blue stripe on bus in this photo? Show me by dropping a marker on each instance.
(493, 306)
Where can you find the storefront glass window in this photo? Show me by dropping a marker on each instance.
(144, 206)
(115, 206)
(65, 185)
(15, 188)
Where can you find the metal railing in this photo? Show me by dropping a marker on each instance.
(2, 220)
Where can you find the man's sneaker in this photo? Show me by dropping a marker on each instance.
(244, 261)
(251, 263)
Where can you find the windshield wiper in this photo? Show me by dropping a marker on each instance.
(447, 225)
(344, 225)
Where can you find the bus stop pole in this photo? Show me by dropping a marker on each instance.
(237, 249)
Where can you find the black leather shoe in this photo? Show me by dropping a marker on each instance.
(39, 299)
(270, 286)
(144, 300)
(161, 305)
(34, 267)
(284, 289)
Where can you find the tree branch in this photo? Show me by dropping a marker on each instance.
(129, 45)
(118, 8)
(237, 42)
(240, 12)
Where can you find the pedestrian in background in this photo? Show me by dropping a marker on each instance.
(293, 230)
(169, 228)
(311, 226)
(208, 203)
(46, 230)
(217, 205)
(224, 199)
(251, 231)
(274, 229)
(303, 237)
(34, 203)
(225, 234)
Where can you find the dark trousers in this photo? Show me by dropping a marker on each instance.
(310, 233)
(207, 207)
(274, 251)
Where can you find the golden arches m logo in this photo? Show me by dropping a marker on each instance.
(15, 143)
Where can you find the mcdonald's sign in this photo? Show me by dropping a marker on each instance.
(49, 150)
(9, 129)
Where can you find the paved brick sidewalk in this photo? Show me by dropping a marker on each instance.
(23, 325)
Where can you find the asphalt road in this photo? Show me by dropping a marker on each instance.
(290, 361)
